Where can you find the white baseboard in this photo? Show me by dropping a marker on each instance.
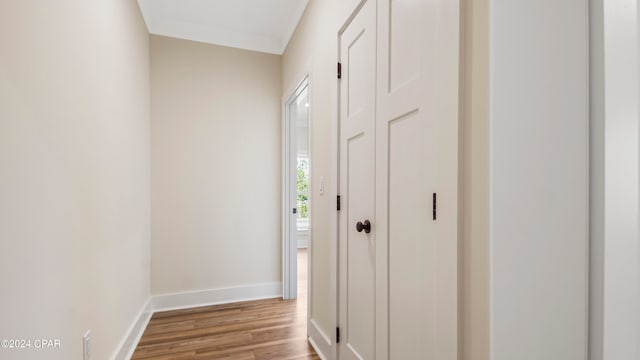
(319, 340)
(128, 344)
(183, 300)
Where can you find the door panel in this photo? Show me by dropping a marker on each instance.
(416, 156)
(358, 52)
(410, 239)
(404, 57)
(357, 172)
(360, 251)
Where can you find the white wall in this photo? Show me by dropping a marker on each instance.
(615, 254)
(215, 166)
(539, 179)
(74, 173)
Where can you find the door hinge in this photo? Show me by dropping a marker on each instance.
(339, 70)
(338, 203)
(337, 335)
(434, 206)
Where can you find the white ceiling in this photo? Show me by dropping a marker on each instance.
(258, 25)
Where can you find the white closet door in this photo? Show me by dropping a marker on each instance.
(417, 157)
(357, 173)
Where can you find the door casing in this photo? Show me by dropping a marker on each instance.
(289, 192)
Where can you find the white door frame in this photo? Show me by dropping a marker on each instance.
(289, 192)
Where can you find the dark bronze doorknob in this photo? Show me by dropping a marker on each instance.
(366, 226)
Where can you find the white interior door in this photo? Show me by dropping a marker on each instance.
(417, 157)
(357, 171)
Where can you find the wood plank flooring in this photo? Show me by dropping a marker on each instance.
(255, 330)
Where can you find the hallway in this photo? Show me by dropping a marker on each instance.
(464, 173)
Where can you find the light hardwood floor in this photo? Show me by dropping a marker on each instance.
(254, 330)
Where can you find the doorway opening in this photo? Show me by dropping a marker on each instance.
(297, 194)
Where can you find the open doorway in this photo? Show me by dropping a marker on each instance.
(297, 193)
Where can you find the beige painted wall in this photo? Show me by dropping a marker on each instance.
(313, 48)
(475, 233)
(215, 166)
(74, 173)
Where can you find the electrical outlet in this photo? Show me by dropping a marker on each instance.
(86, 346)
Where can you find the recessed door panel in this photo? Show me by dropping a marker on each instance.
(411, 239)
(357, 52)
(404, 57)
(360, 254)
